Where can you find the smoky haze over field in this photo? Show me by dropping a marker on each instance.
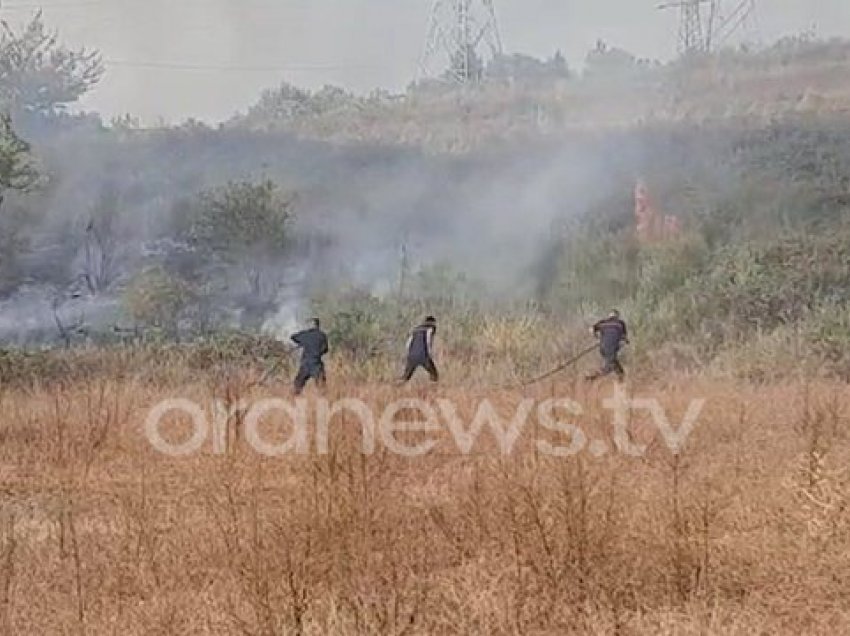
(487, 215)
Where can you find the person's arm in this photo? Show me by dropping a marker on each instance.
(429, 340)
(325, 348)
(625, 337)
(594, 330)
(297, 338)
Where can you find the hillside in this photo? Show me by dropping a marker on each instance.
(526, 98)
(510, 204)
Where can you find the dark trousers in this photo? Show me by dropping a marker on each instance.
(310, 369)
(426, 363)
(610, 364)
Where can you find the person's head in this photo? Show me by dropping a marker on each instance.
(430, 320)
(316, 323)
(614, 314)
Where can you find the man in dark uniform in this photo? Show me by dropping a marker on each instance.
(314, 345)
(419, 347)
(612, 334)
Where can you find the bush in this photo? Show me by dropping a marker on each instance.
(359, 325)
(156, 299)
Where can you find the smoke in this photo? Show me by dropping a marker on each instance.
(285, 321)
(31, 315)
(489, 215)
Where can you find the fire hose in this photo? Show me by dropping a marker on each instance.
(562, 367)
(273, 369)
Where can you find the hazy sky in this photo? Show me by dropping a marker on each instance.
(210, 58)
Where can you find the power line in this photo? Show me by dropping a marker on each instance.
(87, 3)
(41, 5)
(735, 20)
(179, 66)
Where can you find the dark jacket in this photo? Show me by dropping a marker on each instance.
(612, 332)
(419, 344)
(313, 343)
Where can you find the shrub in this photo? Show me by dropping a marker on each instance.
(157, 299)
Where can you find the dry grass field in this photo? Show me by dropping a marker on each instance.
(745, 531)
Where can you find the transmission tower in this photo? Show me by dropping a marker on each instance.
(704, 24)
(696, 19)
(457, 31)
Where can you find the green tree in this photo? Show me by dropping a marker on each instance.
(17, 171)
(38, 75)
(283, 103)
(524, 68)
(14, 244)
(155, 298)
(246, 225)
(331, 98)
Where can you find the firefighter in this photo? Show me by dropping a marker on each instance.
(419, 348)
(612, 334)
(314, 345)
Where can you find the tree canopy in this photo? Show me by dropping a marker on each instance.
(38, 74)
(16, 167)
(245, 224)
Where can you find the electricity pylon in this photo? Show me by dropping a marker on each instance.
(703, 24)
(457, 32)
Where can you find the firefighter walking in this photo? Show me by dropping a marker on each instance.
(314, 346)
(419, 351)
(612, 334)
